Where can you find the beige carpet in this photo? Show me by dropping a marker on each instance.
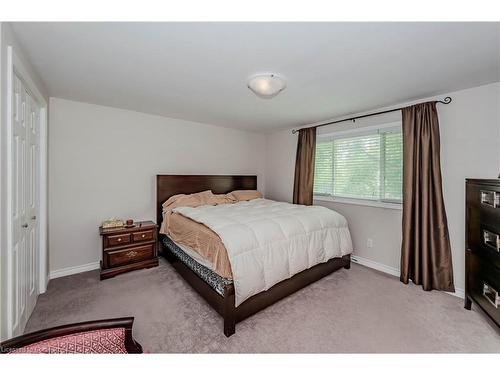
(357, 310)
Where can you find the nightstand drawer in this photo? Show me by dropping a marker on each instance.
(129, 255)
(146, 235)
(118, 239)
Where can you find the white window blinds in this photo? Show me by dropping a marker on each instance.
(366, 165)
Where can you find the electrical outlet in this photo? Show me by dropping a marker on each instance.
(369, 243)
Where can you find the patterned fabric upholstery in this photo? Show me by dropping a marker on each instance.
(103, 341)
(213, 279)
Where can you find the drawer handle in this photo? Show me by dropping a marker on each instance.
(490, 198)
(491, 240)
(491, 295)
(131, 254)
(143, 236)
(119, 240)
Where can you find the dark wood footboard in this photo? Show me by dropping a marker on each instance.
(289, 286)
(225, 305)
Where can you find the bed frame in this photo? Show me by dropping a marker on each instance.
(168, 185)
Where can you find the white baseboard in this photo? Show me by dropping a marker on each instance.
(375, 265)
(459, 292)
(72, 270)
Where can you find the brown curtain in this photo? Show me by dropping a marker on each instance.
(304, 167)
(425, 250)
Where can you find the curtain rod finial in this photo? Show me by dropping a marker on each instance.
(446, 100)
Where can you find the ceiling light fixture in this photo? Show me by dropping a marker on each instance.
(266, 86)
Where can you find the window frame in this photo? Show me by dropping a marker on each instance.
(367, 130)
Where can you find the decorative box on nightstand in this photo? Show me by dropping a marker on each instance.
(127, 249)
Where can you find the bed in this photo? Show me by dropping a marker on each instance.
(219, 291)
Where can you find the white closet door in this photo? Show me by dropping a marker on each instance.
(26, 120)
(32, 207)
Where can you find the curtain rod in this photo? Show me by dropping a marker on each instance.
(446, 100)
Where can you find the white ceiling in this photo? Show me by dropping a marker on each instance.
(198, 71)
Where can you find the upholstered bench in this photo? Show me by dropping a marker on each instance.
(110, 336)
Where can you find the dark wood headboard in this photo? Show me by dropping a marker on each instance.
(168, 185)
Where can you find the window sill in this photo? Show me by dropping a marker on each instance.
(359, 202)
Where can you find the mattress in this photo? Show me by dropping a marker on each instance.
(216, 281)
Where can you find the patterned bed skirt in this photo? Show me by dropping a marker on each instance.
(213, 279)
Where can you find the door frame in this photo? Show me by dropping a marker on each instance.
(16, 66)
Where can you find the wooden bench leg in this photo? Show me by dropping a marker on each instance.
(229, 311)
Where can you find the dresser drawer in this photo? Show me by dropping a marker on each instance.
(487, 245)
(491, 240)
(146, 235)
(129, 255)
(485, 202)
(489, 198)
(484, 285)
(118, 239)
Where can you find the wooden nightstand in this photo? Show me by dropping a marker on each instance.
(128, 249)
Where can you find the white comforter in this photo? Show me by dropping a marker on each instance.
(268, 241)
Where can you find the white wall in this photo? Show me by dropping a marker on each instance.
(103, 162)
(7, 39)
(470, 147)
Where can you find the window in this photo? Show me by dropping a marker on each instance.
(361, 164)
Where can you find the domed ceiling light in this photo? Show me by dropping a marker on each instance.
(266, 86)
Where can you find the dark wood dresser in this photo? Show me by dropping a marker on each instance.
(127, 249)
(482, 255)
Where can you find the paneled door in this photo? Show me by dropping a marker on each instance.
(25, 205)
